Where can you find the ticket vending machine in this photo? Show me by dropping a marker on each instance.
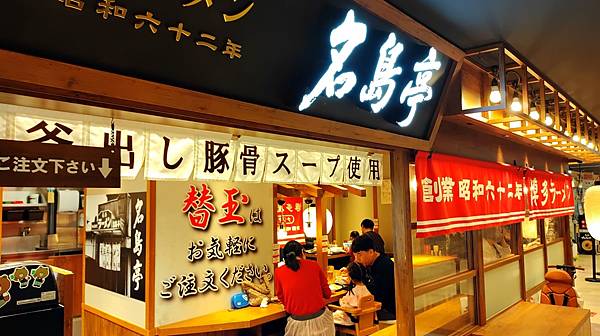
(29, 299)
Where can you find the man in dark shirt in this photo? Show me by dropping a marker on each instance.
(379, 274)
(367, 227)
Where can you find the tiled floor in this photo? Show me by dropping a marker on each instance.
(589, 291)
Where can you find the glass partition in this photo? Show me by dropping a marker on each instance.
(553, 228)
(499, 242)
(502, 288)
(556, 254)
(446, 310)
(531, 234)
(440, 256)
(534, 268)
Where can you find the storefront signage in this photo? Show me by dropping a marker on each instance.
(178, 154)
(116, 243)
(456, 194)
(198, 207)
(289, 219)
(27, 163)
(330, 59)
(550, 195)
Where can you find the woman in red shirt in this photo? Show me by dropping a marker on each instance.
(301, 286)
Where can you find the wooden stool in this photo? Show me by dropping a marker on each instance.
(364, 313)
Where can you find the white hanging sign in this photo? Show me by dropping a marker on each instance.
(170, 157)
(132, 144)
(3, 123)
(216, 157)
(332, 171)
(354, 172)
(49, 131)
(281, 165)
(308, 167)
(374, 170)
(250, 162)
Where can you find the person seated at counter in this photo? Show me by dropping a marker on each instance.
(496, 244)
(301, 286)
(367, 226)
(379, 275)
(358, 290)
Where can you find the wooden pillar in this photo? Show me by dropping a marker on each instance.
(569, 130)
(542, 230)
(321, 257)
(556, 111)
(480, 279)
(521, 260)
(401, 229)
(566, 229)
(542, 106)
(150, 253)
(524, 89)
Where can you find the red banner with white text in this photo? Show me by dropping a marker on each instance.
(550, 194)
(289, 220)
(456, 194)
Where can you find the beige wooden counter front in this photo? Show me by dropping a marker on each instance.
(245, 318)
(530, 319)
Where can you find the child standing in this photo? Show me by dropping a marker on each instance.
(358, 290)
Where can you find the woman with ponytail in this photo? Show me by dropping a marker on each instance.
(301, 286)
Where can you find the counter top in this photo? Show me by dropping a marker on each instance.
(244, 318)
(52, 251)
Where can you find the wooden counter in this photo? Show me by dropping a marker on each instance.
(245, 318)
(442, 319)
(530, 319)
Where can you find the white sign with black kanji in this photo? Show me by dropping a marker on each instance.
(131, 143)
(281, 164)
(171, 157)
(332, 171)
(308, 167)
(250, 162)
(50, 131)
(216, 157)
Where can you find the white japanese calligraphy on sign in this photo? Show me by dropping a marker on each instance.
(281, 164)
(170, 157)
(216, 157)
(250, 162)
(383, 84)
(333, 166)
(308, 167)
(48, 130)
(349, 35)
(132, 144)
(419, 91)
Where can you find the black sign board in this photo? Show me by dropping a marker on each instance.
(330, 58)
(34, 164)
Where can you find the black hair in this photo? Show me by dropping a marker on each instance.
(354, 234)
(355, 272)
(367, 224)
(362, 243)
(291, 251)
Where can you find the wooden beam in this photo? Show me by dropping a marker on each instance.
(357, 190)
(309, 189)
(287, 190)
(556, 112)
(401, 231)
(542, 105)
(335, 189)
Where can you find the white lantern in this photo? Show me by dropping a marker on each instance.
(309, 217)
(591, 205)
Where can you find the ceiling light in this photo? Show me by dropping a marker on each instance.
(495, 96)
(548, 120)
(531, 131)
(514, 124)
(584, 141)
(533, 113)
(567, 133)
(590, 145)
(576, 137)
(516, 105)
